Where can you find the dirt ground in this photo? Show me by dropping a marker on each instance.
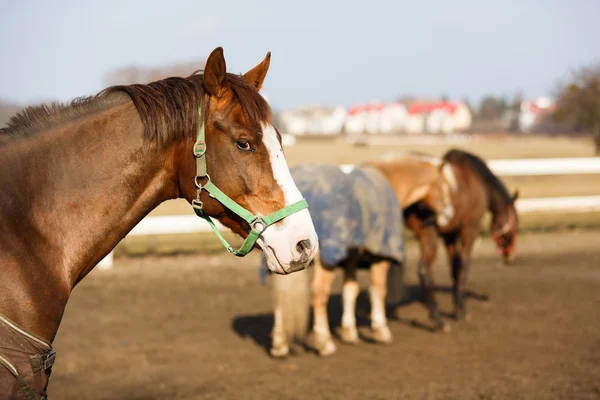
(197, 327)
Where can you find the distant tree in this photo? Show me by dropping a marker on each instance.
(510, 116)
(278, 122)
(136, 74)
(467, 102)
(7, 110)
(491, 108)
(515, 104)
(578, 103)
(406, 99)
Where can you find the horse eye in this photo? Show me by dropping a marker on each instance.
(243, 145)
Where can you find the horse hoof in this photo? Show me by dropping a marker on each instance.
(460, 314)
(441, 326)
(326, 348)
(463, 316)
(382, 334)
(324, 345)
(280, 351)
(349, 334)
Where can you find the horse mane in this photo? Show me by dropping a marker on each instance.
(33, 119)
(168, 108)
(480, 167)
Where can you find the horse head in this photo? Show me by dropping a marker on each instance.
(239, 151)
(504, 230)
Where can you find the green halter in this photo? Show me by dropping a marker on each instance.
(257, 224)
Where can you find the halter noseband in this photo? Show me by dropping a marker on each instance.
(257, 224)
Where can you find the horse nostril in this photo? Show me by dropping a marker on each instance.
(303, 246)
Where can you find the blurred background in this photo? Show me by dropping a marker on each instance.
(348, 82)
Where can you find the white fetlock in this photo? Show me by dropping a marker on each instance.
(382, 334)
(349, 334)
(279, 351)
(324, 345)
(279, 346)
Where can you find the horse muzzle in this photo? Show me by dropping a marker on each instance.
(291, 245)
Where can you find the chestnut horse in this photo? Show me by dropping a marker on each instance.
(474, 190)
(77, 178)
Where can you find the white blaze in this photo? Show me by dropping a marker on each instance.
(281, 172)
(279, 241)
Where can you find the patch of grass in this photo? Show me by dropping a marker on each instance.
(339, 151)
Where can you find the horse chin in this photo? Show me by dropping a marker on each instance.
(290, 246)
(277, 265)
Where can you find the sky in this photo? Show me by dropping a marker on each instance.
(323, 52)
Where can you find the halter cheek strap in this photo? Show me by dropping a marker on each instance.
(257, 224)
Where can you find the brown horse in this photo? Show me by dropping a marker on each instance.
(477, 191)
(77, 178)
(474, 190)
(418, 183)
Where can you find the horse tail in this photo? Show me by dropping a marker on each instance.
(292, 295)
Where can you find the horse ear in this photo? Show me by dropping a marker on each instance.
(214, 72)
(515, 196)
(256, 75)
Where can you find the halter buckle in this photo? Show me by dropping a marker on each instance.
(258, 225)
(42, 361)
(198, 185)
(197, 203)
(199, 148)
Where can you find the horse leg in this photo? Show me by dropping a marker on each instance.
(291, 299)
(321, 288)
(427, 236)
(454, 258)
(349, 332)
(468, 236)
(379, 326)
(279, 345)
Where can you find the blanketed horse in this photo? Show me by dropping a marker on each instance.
(77, 178)
(473, 190)
(359, 225)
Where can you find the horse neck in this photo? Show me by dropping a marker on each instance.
(80, 189)
(497, 204)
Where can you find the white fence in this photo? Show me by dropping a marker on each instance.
(517, 167)
(536, 166)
